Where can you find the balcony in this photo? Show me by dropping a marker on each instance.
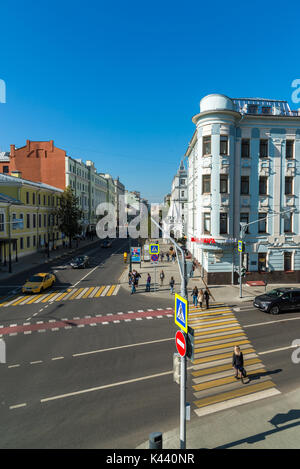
(290, 200)
(290, 167)
(264, 167)
(263, 201)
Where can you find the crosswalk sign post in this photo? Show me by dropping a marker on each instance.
(181, 311)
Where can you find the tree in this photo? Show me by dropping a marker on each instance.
(69, 214)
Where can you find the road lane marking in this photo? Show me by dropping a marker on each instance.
(17, 406)
(271, 322)
(89, 273)
(99, 291)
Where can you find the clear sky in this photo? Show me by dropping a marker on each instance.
(118, 82)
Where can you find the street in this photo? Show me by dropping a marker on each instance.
(97, 372)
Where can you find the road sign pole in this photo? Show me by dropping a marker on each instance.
(182, 403)
(240, 275)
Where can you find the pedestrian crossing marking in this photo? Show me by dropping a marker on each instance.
(216, 332)
(236, 393)
(69, 294)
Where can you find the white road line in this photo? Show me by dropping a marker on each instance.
(40, 299)
(14, 366)
(277, 349)
(270, 322)
(36, 362)
(17, 406)
(107, 386)
(57, 358)
(116, 290)
(120, 347)
(94, 292)
(11, 302)
(89, 273)
(105, 290)
(81, 293)
(54, 297)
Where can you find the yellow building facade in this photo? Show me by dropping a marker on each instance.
(27, 221)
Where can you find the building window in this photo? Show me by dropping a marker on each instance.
(288, 222)
(40, 220)
(182, 182)
(206, 146)
(34, 240)
(206, 184)
(45, 220)
(2, 221)
(39, 199)
(262, 262)
(289, 150)
(44, 200)
(224, 184)
(262, 224)
(223, 145)
(287, 260)
(263, 148)
(33, 198)
(244, 185)
(34, 220)
(206, 224)
(244, 218)
(288, 185)
(182, 193)
(245, 148)
(28, 220)
(263, 185)
(223, 223)
(5, 169)
(27, 197)
(28, 241)
(21, 243)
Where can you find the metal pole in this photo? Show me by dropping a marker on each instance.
(240, 275)
(9, 242)
(183, 359)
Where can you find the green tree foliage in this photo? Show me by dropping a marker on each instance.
(69, 214)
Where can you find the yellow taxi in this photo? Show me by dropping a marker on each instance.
(38, 282)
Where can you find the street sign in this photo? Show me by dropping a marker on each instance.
(154, 258)
(181, 312)
(180, 343)
(154, 249)
(240, 246)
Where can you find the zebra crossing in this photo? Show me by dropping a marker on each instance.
(216, 332)
(62, 295)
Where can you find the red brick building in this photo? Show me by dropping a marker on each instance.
(38, 162)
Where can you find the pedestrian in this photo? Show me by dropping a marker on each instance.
(173, 256)
(133, 289)
(137, 277)
(148, 284)
(168, 256)
(161, 276)
(238, 363)
(200, 297)
(172, 283)
(162, 256)
(129, 278)
(206, 297)
(195, 296)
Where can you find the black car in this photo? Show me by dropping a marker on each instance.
(80, 262)
(278, 300)
(106, 244)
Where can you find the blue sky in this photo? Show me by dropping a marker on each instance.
(118, 82)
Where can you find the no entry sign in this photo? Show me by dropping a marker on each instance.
(180, 343)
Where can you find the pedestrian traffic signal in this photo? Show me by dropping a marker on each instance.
(190, 343)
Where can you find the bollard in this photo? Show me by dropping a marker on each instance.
(155, 440)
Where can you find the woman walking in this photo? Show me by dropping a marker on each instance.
(162, 276)
(238, 362)
(148, 284)
(206, 297)
(172, 283)
(195, 296)
(200, 297)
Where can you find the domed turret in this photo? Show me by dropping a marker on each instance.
(216, 102)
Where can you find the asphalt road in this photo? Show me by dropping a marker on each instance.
(97, 372)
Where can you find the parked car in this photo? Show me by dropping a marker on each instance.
(106, 244)
(80, 262)
(38, 282)
(278, 300)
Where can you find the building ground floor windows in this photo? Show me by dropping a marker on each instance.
(218, 261)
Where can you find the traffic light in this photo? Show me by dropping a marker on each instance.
(190, 344)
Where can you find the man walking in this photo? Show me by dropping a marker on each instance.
(162, 276)
(206, 297)
(148, 284)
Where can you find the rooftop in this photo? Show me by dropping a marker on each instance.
(263, 106)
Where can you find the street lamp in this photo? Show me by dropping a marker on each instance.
(243, 229)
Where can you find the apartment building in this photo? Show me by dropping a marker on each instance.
(243, 167)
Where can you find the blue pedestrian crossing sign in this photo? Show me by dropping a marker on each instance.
(240, 246)
(154, 249)
(181, 312)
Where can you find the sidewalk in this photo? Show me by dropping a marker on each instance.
(229, 294)
(28, 262)
(272, 423)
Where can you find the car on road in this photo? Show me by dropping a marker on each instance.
(106, 244)
(278, 300)
(80, 262)
(38, 282)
